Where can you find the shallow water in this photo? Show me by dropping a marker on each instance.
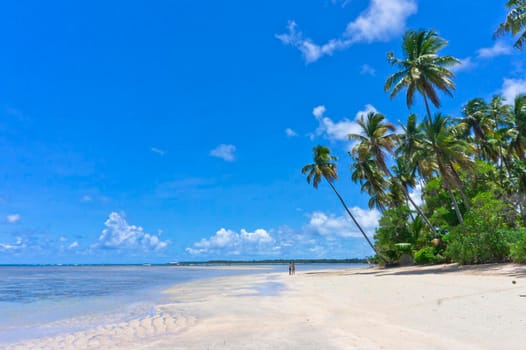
(40, 301)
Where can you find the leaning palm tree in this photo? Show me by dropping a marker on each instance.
(365, 171)
(515, 22)
(324, 167)
(422, 69)
(376, 140)
(450, 152)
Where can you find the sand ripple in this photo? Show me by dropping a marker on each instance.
(113, 335)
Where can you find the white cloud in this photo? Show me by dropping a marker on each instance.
(368, 109)
(290, 132)
(339, 130)
(18, 245)
(512, 88)
(319, 111)
(225, 152)
(466, 64)
(343, 226)
(87, 198)
(119, 234)
(500, 48)
(381, 21)
(368, 70)
(231, 243)
(159, 151)
(323, 235)
(416, 195)
(73, 245)
(310, 51)
(13, 218)
(258, 236)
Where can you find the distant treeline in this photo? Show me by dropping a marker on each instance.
(276, 261)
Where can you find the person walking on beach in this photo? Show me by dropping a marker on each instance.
(293, 268)
(290, 268)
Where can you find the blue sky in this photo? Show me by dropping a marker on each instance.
(139, 131)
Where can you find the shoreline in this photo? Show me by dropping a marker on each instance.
(438, 306)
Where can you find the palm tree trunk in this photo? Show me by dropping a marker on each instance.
(410, 211)
(445, 181)
(501, 160)
(460, 187)
(427, 108)
(408, 197)
(454, 201)
(355, 222)
(420, 212)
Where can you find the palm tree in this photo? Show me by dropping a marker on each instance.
(375, 140)
(519, 119)
(449, 151)
(324, 167)
(421, 69)
(501, 115)
(477, 125)
(410, 146)
(365, 171)
(514, 23)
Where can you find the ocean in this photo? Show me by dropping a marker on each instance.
(42, 301)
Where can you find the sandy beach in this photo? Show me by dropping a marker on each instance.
(436, 307)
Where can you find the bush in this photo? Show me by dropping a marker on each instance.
(428, 255)
(485, 236)
(425, 256)
(518, 248)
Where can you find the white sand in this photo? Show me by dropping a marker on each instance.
(439, 307)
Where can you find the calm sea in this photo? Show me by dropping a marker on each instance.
(39, 301)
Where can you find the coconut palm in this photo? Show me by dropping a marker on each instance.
(410, 147)
(518, 144)
(365, 171)
(449, 151)
(375, 140)
(515, 22)
(324, 167)
(477, 126)
(501, 115)
(422, 69)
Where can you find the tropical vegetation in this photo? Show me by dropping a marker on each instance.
(470, 168)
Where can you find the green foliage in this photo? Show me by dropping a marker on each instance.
(478, 248)
(438, 204)
(518, 247)
(428, 255)
(484, 237)
(398, 234)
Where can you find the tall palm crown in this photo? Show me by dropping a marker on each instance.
(323, 166)
(375, 138)
(519, 114)
(515, 22)
(365, 171)
(411, 147)
(477, 125)
(422, 69)
(449, 151)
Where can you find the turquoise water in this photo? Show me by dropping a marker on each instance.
(38, 301)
